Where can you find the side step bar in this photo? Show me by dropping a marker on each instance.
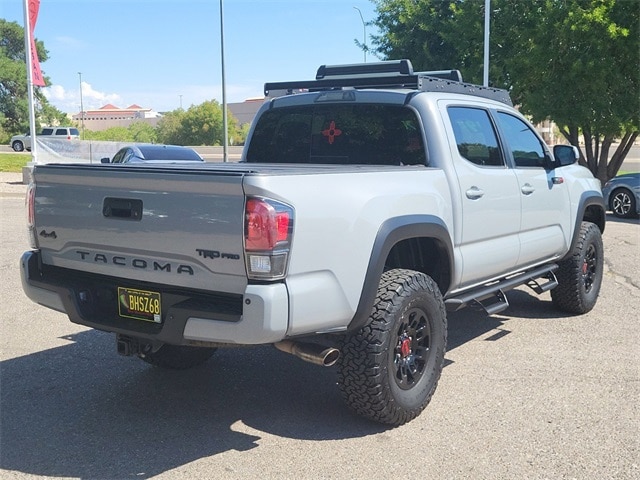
(491, 298)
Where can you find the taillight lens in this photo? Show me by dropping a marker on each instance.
(265, 226)
(268, 232)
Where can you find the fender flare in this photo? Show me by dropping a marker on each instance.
(588, 199)
(391, 232)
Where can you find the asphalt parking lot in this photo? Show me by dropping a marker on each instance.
(525, 394)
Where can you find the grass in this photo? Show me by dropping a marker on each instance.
(13, 162)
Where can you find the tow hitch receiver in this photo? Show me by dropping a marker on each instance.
(128, 346)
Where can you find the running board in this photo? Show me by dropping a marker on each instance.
(491, 298)
(495, 303)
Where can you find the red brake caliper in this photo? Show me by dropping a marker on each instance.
(405, 347)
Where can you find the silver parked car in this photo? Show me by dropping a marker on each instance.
(23, 142)
(622, 195)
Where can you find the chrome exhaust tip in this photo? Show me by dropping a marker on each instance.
(310, 352)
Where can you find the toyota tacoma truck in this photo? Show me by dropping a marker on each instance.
(369, 201)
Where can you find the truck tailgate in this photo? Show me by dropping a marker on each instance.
(176, 226)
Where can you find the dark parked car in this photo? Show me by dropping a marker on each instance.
(622, 195)
(154, 153)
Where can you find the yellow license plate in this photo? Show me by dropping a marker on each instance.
(139, 304)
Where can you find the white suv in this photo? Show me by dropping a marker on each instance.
(22, 142)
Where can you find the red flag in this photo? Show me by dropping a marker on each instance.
(36, 74)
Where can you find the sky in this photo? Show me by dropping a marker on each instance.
(165, 54)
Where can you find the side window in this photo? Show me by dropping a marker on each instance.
(524, 144)
(475, 136)
(128, 156)
(118, 157)
(61, 131)
(47, 131)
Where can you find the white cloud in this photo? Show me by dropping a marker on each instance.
(160, 99)
(69, 100)
(95, 99)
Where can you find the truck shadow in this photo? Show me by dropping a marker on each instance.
(82, 411)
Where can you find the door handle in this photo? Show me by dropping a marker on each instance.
(474, 193)
(527, 189)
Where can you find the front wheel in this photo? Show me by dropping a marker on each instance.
(389, 369)
(176, 357)
(580, 275)
(17, 146)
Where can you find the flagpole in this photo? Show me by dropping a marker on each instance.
(28, 53)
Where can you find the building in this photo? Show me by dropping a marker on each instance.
(111, 116)
(244, 112)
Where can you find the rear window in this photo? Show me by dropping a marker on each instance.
(163, 153)
(74, 131)
(338, 134)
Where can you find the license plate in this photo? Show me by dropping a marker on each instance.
(139, 304)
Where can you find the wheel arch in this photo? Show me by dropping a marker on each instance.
(415, 242)
(591, 208)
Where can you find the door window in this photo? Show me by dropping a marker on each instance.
(525, 146)
(475, 136)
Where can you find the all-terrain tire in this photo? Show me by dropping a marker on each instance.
(580, 275)
(177, 357)
(389, 369)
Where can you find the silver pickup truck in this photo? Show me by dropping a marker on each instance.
(368, 202)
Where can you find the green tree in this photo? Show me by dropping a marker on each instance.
(137, 132)
(142, 132)
(575, 62)
(169, 128)
(202, 124)
(14, 104)
(199, 125)
(113, 134)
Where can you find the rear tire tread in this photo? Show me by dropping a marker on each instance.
(364, 379)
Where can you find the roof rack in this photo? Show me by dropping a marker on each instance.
(389, 74)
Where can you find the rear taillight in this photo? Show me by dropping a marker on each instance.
(31, 214)
(268, 230)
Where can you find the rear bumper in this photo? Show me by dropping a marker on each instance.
(258, 316)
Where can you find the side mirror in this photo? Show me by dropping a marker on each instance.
(105, 160)
(565, 155)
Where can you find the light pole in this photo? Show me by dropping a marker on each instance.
(180, 101)
(225, 133)
(81, 105)
(487, 21)
(364, 34)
